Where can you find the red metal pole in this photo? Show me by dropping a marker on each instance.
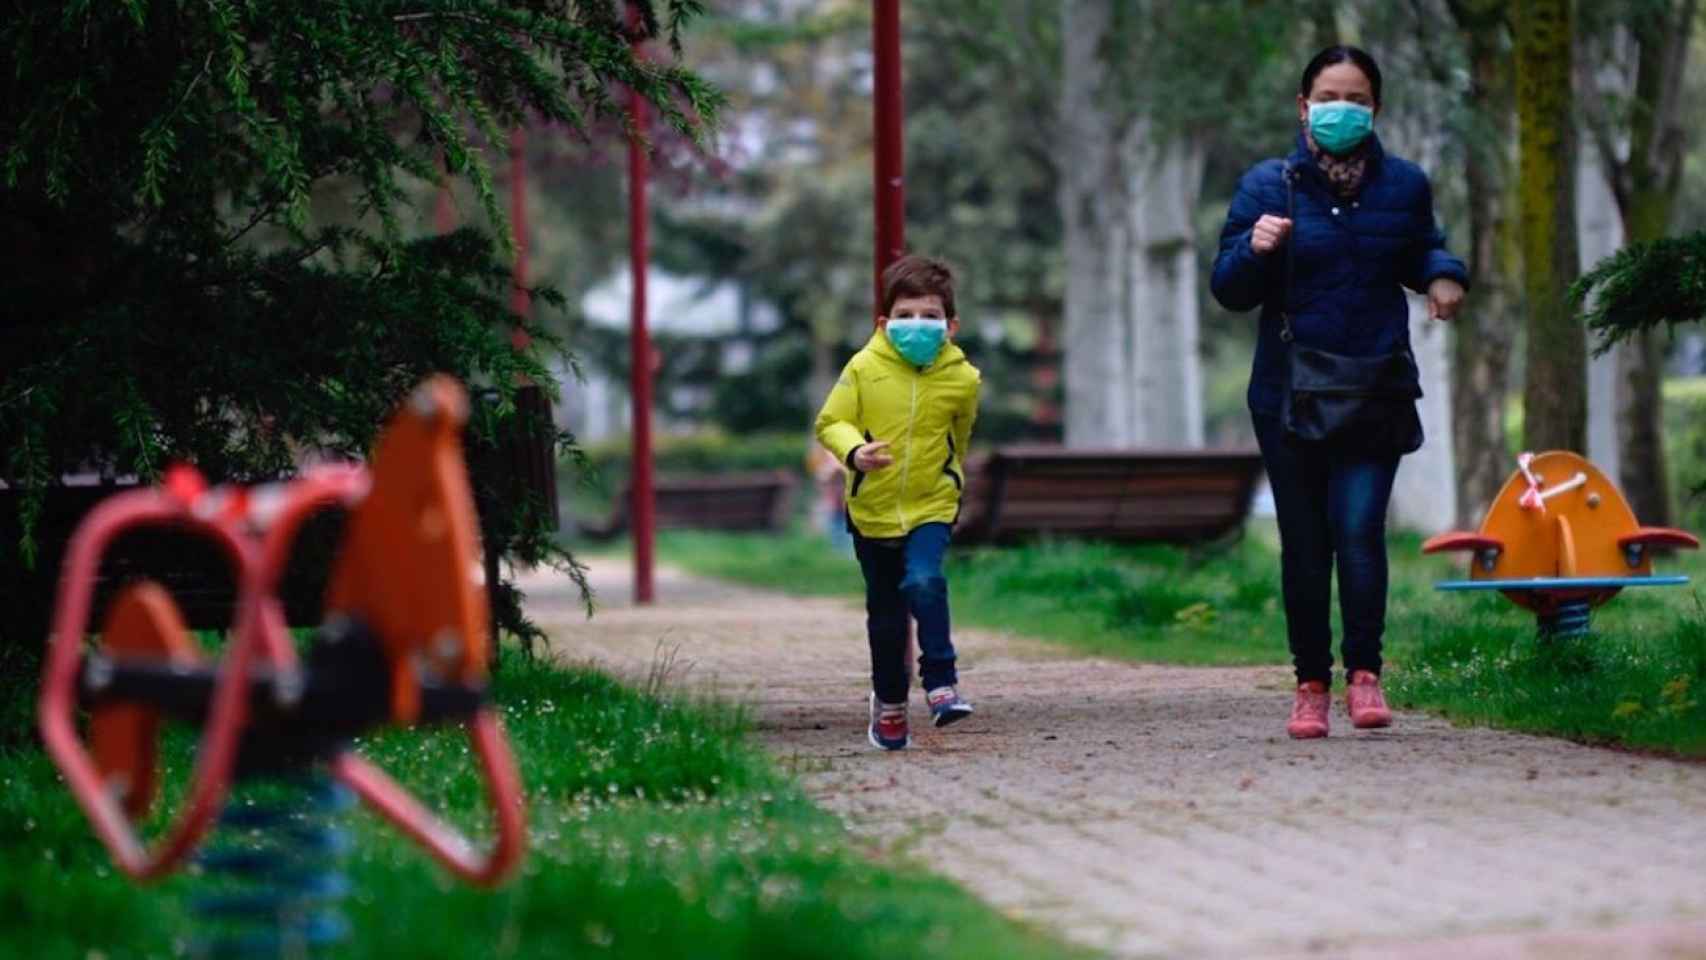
(888, 112)
(640, 359)
(889, 172)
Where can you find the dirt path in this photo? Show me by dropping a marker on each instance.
(1149, 810)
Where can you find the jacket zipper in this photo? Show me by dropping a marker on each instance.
(906, 467)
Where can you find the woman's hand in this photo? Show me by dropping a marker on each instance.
(1445, 295)
(871, 456)
(1268, 233)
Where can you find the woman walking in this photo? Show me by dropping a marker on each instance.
(1324, 241)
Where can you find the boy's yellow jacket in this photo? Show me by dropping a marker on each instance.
(925, 415)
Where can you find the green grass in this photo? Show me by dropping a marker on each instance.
(658, 830)
(1639, 680)
(1154, 603)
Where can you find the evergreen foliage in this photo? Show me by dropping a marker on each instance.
(210, 249)
(1643, 287)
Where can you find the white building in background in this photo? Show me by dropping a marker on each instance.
(598, 406)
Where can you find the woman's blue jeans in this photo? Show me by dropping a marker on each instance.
(904, 577)
(1332, 508)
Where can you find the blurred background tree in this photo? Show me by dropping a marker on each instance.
(1637, 54)
(1074, 159)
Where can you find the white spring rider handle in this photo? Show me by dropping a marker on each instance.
(1535, 498)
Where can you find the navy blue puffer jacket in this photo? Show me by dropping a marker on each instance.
(1352, 256)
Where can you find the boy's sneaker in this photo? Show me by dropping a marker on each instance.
(946, 706)
(1365, 703)
(1309, 711)
(888, 725)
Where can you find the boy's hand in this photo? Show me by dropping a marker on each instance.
(871, 456)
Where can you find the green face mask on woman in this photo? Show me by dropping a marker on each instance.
(1340, 126)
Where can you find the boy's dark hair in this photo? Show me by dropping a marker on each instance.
(918, 276)
(1340, 54)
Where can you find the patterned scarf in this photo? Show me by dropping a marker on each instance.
(1345, 173)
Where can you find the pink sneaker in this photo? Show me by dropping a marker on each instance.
(1309, 711)
(1365, 703)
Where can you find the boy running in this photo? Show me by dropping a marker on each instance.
(900, 417)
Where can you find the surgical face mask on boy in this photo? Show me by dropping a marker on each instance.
(1340, 126)
(918, 337)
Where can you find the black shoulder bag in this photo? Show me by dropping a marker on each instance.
(1361, 404)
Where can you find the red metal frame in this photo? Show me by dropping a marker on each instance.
(256, 528)
(445, 843)
(56, 708)
(889, 171)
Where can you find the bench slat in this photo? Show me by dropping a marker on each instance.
(735, 501)
(1175, 496)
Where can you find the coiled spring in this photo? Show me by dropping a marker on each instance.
(274, 871)
(1570, 619)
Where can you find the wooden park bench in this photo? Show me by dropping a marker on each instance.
(197, 573)
(761, 500)
(192, 568)
(1183, 496)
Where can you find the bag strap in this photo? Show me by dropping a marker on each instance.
(1290, 257)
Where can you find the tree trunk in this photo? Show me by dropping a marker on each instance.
(1647, 187)
(1424, 495)
(1643, 471)
(1164, 392)
(1599, 234)
(1485, 329)
(1098, 243)
(1555, 394)
(1130, 350)
(1645, 474)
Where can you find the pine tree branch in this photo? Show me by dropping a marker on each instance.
(1644, 287)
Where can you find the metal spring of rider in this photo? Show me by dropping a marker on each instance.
(273, 874)
(1571, 619)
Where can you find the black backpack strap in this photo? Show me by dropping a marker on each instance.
(1290, 257)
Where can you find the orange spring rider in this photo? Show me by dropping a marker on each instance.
(403, 641)
(1560, 540)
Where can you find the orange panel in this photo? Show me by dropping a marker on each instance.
(1566, 548)
(1575, 533)
(124, 737)
(1597, 513)
(409, 567)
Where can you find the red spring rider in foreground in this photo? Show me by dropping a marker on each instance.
(403, 641)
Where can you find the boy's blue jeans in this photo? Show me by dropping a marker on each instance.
(904, 576)
(1332, 510)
